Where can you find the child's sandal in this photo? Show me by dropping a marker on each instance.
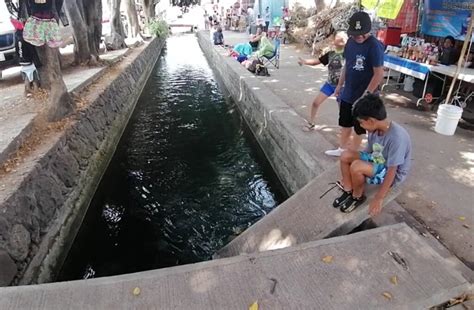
(309, 127)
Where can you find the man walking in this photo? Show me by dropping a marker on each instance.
(361, 75)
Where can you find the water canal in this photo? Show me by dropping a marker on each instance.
(187, 176)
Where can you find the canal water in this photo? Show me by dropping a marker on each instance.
(187, 176)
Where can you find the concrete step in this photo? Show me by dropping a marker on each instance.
(359, 275)
(394, 214)
(302, 218)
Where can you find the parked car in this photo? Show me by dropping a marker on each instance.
(8, 56)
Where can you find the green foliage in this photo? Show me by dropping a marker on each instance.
(159, 28)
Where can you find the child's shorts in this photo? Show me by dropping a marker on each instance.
(347, 120)
(379, 170)
(328, 89)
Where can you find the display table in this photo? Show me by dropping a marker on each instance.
(466, 74)
(406, 66)
(423, 71)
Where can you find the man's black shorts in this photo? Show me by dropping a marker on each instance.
(346, 119)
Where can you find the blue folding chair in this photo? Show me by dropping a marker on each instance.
(274, 59)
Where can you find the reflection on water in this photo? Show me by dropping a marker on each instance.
(185, 177)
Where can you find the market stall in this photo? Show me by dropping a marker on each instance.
(431, 60)
(422, 71)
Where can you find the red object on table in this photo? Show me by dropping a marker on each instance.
(390, 36)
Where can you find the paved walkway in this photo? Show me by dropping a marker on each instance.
(440, 189)
(359, 271)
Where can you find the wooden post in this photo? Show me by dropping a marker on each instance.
(467, 40)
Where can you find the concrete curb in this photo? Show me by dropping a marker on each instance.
(16, 143)
(293, 278)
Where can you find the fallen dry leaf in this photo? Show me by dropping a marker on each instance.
(254, 306)
(462, 218)
(387, 295)
(327, 259)
(394, 280)
(466, 226)
(136, 291)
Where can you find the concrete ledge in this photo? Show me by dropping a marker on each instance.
(394, 214)
(304, 217)
(16, 130)
(47, 198)
(294, 155)
(293, 278)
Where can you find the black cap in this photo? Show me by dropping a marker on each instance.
(359, 24)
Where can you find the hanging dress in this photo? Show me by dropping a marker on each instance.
(41, 27)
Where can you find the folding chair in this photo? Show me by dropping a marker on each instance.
(274, 59)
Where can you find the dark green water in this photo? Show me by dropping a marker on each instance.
(186, 176)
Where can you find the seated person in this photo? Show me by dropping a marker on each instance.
(255, 39)
(218, 37)
(265, 48)
(386, 160)
(246, 49)
(214, 27)
(241, 49)
(449, 55)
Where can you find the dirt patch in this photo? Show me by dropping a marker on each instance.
(41, 130)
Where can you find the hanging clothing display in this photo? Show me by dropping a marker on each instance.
(42, 26)
(26, 52)
(39, 32)
(29, 73)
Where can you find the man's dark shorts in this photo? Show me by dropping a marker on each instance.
(346, 119)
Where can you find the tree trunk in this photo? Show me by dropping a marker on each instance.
(86, 21)
(45, 82)
(76, 15)
(132, 17)
(60, 103)
(320, 5)
(116, 40)
(93, 11)
(148, 9)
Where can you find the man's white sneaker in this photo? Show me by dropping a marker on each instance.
(337, 152)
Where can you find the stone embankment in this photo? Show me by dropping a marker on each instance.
(43, 201)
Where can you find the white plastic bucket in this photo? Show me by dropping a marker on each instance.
(448, 119)
(408, 84)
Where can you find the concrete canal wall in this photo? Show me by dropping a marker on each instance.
(294, 155)
(47, 197)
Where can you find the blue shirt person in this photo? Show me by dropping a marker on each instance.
(362, 73)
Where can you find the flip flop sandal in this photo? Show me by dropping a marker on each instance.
(309, 127)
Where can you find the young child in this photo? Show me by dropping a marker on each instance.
(386, 160)
(334, 60)
(218, 37)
